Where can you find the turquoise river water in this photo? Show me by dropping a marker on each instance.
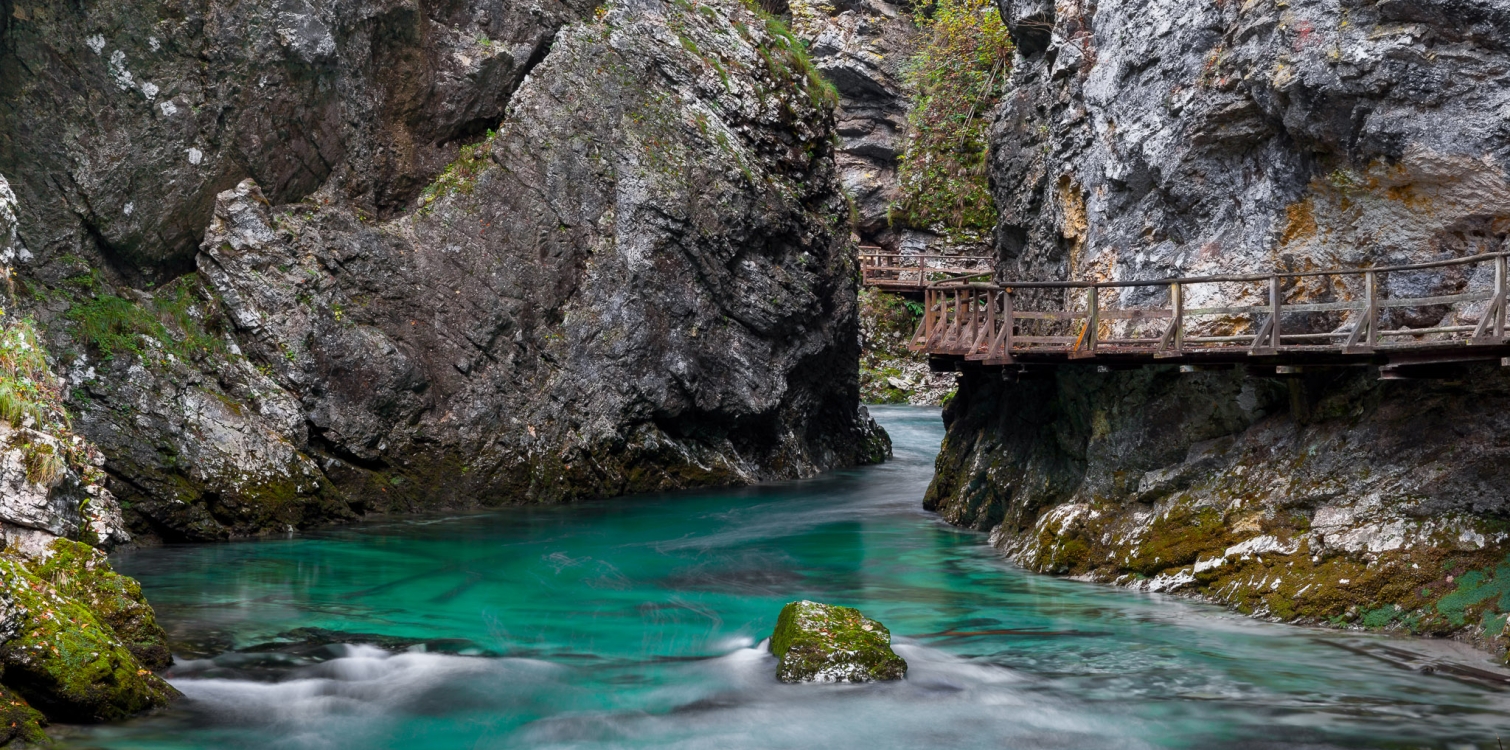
(639, 622)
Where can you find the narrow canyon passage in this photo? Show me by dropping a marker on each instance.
(639, 624)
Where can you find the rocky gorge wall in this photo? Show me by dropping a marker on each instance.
(301, 262)
(862, 47)
(271, 266)
(1165, 139)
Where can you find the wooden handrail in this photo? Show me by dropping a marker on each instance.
(1233, 278)
(979, 320)
(904, 271)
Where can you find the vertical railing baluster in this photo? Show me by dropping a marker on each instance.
(1274, 307)
(1177, 291)
(1092, 320)
(954, 324)
(1502, 291)
(968, 331)
(1371, 290)
(993, 299)
(1008, 324)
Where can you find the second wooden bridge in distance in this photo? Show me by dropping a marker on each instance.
(1335, 317)
(912, 273)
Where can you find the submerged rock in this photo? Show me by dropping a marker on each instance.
(824, 643)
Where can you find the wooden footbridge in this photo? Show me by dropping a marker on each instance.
(902, 272)
(1408, 319)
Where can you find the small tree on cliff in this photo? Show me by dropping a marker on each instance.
(957, 76)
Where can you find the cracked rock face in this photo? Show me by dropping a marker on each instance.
(635, 275)
(1176, 139)
(861, 47)
(124, 119)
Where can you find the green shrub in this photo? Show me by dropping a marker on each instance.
(462, 173)
(114, 325)
(27, 386)
(957, 77)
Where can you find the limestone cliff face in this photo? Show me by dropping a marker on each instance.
(1174, 139)
(862, 47)
(449, 253)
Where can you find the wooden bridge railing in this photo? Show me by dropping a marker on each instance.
(899, 271)
(1342, 312)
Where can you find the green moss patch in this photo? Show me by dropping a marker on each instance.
(20, 724)
(114, 325)
(65, 661)
(1488, 590)
(461, 174)
(1178, 537)
(82, 573)
(825, 643)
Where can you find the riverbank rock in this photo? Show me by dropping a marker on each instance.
(1174, 139)
(63, 660)
(77, 640)
(81, 572)
(20, 724)
(816, 642)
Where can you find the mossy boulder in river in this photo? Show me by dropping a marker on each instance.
(81, 572)
(20, 724)
(823, 643)
(63, 659)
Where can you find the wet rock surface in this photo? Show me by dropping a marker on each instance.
(816, 642)
(488, 255)
(20, 724)
(1178, 140)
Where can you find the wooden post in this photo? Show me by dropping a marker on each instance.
(987, 332)
(972, 299)
(920, 337)
(1000, 350)
(927, 314)
(1093, 320)
(1179, 317)
(1088, 334)
(1491, 327)
(1275, 300)
(1501, 282)
(953, 323)
(1172, 343)
(1366, 329)
(1372, 280)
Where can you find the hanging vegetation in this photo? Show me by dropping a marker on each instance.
(957, 77)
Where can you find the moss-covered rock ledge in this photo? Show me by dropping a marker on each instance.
(61, 654)
(1333, 499)
(78, 642)
(816, 642)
